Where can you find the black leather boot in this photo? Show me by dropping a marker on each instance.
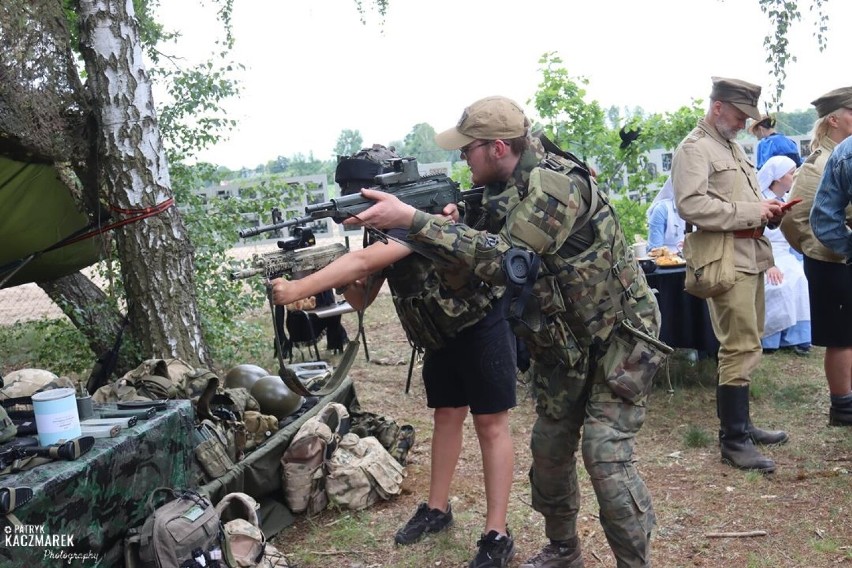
(766, 437)
(735, 440)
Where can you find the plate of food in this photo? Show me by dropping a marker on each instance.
(666, 257)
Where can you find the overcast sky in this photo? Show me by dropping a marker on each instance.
(313, 69)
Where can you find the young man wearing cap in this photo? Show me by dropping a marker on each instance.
(828, 273)
(717, 193)
(580, 302)
(772, 143)
(469, 361)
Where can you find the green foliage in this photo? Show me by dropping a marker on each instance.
(593, 135)
(420, 143)
(46, 344)
(213, 228)
(798, 122)
(349, 142)
(783, 14)
(570, 121)
(461, 175)
(633, 218)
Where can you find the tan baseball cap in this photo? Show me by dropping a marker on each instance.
(833, 100)
(741, 94)
(491, 118)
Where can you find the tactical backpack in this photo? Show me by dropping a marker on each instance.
(303, 464)
(361, 472)
(182, 532)
(243, 541)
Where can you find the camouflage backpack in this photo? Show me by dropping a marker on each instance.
(303, 464)
(360, 472)
(243, 541)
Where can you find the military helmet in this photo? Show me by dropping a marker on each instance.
(360, 169)
(275, 398)
(243, 376)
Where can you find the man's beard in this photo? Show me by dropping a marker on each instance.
(727, 132)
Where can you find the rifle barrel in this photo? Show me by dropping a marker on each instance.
(246, 233)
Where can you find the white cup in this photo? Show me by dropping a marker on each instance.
(640, 250)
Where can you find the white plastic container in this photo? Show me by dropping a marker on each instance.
(56, 416)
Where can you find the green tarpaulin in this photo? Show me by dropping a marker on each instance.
(37, 212)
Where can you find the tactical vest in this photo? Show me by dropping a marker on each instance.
(578, 299)
(434, 307)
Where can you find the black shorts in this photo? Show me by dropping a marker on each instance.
(830, 294)
(477, 369)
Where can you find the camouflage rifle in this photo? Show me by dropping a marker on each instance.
(430, 194)
(290, 263)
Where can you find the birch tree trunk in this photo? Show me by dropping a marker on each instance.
(155, 253)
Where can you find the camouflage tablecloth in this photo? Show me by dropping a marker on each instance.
(93, 501)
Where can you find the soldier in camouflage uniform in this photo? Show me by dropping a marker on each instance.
(469, 360)
(582, 305)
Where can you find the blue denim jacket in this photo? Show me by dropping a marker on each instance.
(828, 215)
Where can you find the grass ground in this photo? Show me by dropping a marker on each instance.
(805, 508)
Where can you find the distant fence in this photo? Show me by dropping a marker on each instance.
(26, 302)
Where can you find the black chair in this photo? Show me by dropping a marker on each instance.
(305, 329)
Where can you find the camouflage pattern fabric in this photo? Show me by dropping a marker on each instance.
(99, 496)
(27, 382)
(361, 472)
(8, 430)
(434, 302)
(591, 332)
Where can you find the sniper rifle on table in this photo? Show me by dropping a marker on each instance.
(430, 194)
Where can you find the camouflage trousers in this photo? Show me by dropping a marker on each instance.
(571, 400)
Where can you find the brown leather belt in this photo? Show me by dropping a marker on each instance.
(749, 233)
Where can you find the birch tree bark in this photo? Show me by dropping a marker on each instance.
(155, 252)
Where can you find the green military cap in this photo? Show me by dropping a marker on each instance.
(833, 100)
(741, 94)
(491, 118)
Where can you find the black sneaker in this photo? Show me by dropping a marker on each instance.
(425, 520)
(556, 556)
(495, 551)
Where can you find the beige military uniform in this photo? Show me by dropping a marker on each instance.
(716, 189)
(796, 225)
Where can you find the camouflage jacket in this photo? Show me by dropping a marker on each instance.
(589, 282)
(435, 303)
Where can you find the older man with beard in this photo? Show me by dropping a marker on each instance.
(717, 194)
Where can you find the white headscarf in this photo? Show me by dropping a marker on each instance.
(666, 192)
(774, 169)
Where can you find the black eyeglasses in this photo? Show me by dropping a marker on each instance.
(467, 149)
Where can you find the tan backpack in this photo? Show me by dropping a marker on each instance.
(303, 467)
(243, 541)
(361, 472)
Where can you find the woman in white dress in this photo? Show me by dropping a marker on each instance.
(788, 314)
(665, 227)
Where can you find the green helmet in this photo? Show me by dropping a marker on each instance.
(243, 376)
(275, 398)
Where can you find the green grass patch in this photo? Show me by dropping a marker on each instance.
(696, 437)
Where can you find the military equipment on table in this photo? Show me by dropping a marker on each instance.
(140, 414)
(291, 263)
(27, 447)
(430, 194)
